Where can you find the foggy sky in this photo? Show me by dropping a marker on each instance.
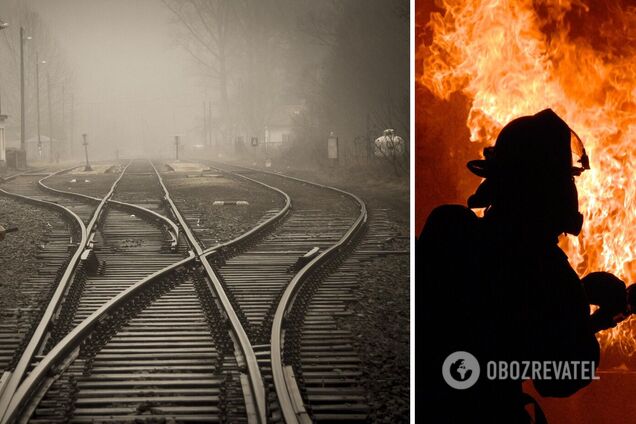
(134, 87)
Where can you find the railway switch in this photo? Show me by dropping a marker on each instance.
(4, 231)
(305, 259)
(89, 258)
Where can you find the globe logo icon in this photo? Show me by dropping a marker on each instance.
(460, 370)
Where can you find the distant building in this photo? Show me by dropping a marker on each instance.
(276, 135)
(280, 127)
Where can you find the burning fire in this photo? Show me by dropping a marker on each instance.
(517, 57)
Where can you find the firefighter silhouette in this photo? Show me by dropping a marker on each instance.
(499, 287)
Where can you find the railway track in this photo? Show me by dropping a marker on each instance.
(39, 332)
(166, 324)
(21, 308)
(33, 186)
(114, 249)
(264, 278)
(321, 349)
(310, 357)
(157, 314)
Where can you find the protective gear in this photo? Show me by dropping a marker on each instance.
(501, 288)
(530, 171)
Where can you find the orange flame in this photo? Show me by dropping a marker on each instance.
(517, 57)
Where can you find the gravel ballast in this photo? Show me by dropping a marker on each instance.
(18, 250)
(29, 261)
(196, 193)
(382, 327)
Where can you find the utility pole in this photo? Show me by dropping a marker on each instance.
(3, 156)
(72, 138)
(63, 132)
(37, 90)
(85, 144)
(22, 118)
(368, 140)
(176, 145)
(48, 91)
(210, 125)
(205, 124)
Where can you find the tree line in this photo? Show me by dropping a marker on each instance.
(313, 69)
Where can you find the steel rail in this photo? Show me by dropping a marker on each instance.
(62, 192)
(16, 376)
(39, 334)
(289, 397)
(91, 227)
(173, 228)
(253, 371)
(12, 176)
(73, 340)
(287, 392)
(259, 228)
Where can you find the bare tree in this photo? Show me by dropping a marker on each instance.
(57, 70)
(364, 86)
(320, 24)
(207, 25)
(242, 46)
(343, 63)
(263, 31)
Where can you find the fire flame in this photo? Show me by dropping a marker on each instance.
(516, 57)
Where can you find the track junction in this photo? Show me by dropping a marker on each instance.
(146, 315)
